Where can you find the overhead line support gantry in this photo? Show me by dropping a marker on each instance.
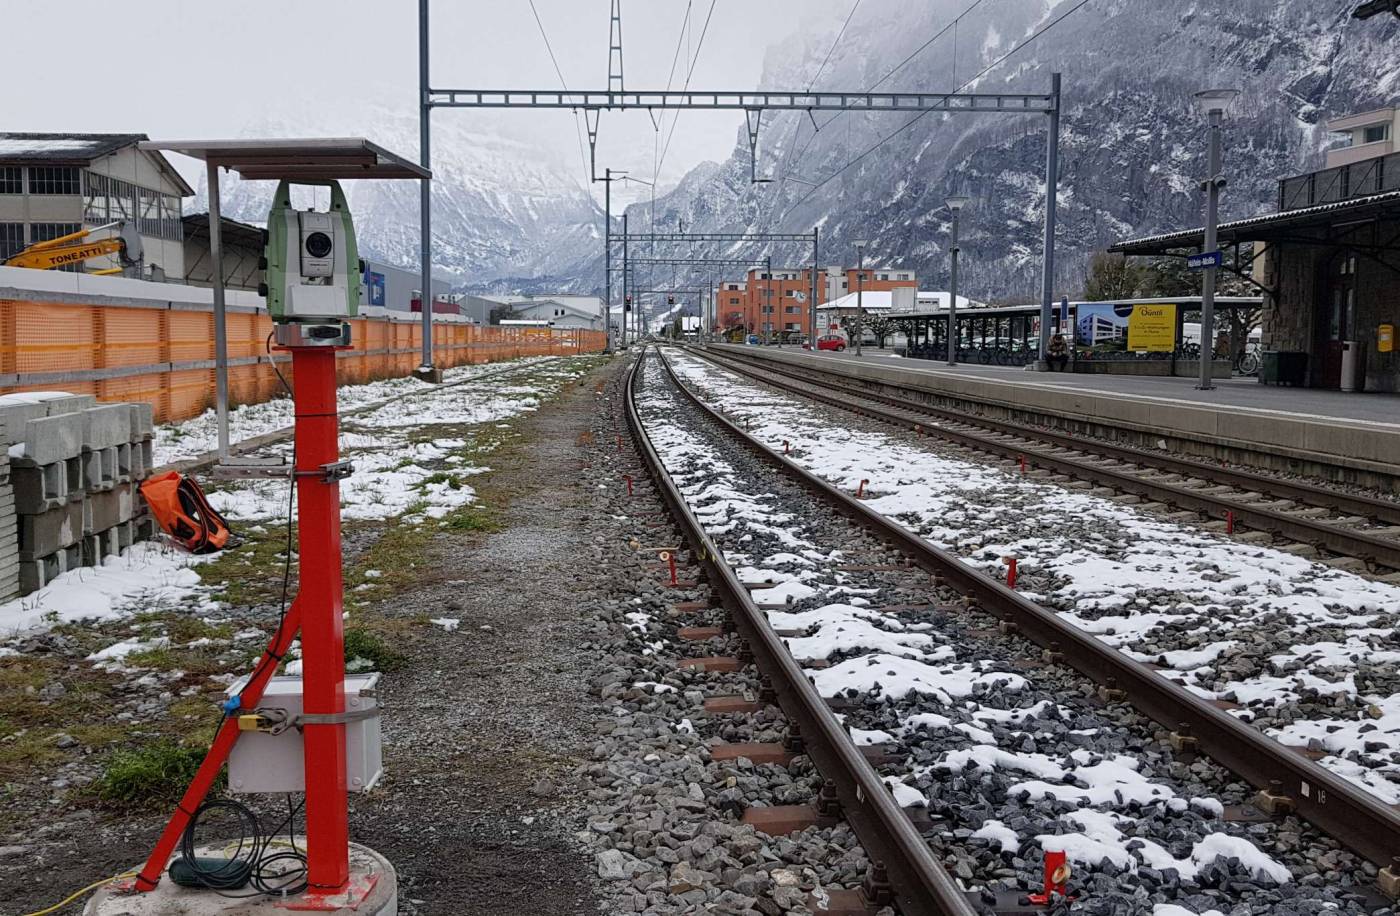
(616, 98)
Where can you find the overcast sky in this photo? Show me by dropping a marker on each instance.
(202, 69)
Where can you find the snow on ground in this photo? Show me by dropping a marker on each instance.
(851, 647)
(401, 468)
(198, 435)
(145, 575)
(1200, 605)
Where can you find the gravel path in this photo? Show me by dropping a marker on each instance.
(1011, 757)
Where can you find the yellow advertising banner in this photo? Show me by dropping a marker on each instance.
(1152, 328)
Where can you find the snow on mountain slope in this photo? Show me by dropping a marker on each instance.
(1132, 147)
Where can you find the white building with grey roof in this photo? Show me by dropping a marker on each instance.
(53, 184)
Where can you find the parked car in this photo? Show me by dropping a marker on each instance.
(831, 342)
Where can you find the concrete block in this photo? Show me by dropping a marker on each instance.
(137, 458)
(148, 457)
(35, 574)
(69, 404)
(99, 470)
(91, 545)
(106, 426)
(142, 419)
(56, 529)
(123, 454)
(124, 533)
(144, 529)
(73, 470)
(106, 510)
(53, 439)
(40, 487)
(14, 416)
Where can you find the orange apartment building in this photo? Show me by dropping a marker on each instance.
(767, 303)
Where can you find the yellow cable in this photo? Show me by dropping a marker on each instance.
(67, 900)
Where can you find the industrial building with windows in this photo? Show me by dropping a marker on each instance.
(55, 184)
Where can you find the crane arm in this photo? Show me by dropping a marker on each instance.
(51, 257)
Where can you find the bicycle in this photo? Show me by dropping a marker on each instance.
(1250, 362)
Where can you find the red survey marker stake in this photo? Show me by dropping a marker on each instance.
(1010, 571)
(670, 559)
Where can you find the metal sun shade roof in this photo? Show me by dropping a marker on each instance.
(313, 159)
(1260, 228)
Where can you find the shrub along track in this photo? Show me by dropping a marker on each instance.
(1341, 810)
(1363, 528)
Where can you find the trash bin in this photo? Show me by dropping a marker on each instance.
(1350, 351)
(1283, 367)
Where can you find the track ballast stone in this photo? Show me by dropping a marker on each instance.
(1010, 756)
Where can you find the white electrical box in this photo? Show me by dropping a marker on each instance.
(264, 762)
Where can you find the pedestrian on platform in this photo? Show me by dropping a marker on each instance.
(1058, 354)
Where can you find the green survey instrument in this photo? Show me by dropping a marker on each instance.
(312, 263)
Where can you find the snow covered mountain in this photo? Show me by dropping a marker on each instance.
(506, 214)
(1132, 147)
(515, 216)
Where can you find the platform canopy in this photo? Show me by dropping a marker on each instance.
(313, 159)
(1316, 225)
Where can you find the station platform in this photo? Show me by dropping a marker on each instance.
(1351, 437)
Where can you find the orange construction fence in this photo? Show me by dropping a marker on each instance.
(165, 355)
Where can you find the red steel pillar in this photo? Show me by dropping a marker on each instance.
(322, 626)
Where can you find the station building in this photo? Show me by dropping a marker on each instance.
(1327, 260)
(53, 184)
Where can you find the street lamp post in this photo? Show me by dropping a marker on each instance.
(860, 292)
(955, 203)
(1212, 103)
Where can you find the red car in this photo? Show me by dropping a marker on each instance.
(831, 342)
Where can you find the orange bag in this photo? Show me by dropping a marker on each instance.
(180, 508)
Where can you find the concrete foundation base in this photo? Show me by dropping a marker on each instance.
(373, 891)
(428, 374)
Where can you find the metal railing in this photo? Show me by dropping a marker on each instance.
(1343, 182)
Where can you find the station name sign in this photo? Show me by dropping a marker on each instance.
(1205, 259)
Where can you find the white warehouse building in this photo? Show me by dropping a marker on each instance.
(54, 184)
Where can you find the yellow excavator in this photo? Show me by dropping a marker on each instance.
(74, 249)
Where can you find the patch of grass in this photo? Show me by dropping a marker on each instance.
(168, 658)
(452, 481)
(362, 643)
(251, 573)
(180, 627)
(145, 776)
(98, 734)
(471, 518)
(25, 749)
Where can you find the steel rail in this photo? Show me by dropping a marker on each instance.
(920, 883)
(1349, 814)
(1336, 538)
(1369, 506)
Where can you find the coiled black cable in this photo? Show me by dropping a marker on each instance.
(250, 862)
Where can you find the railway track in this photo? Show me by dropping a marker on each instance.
(971, 607)
(1363, 528)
